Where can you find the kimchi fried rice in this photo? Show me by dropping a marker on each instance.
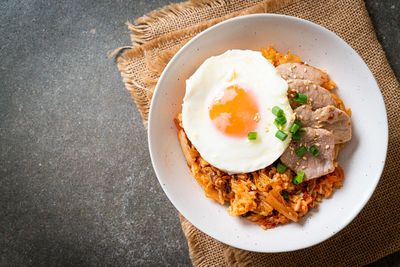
(265, 196)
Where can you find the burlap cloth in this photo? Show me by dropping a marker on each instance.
(375, 232)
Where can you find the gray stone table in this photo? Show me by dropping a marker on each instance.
(76, 183)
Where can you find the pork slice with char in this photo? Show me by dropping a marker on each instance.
(329, 118)
(317, 96)
(312, 166)
(303, 72)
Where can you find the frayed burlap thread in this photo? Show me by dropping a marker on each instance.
(375, 232)
(190, 13)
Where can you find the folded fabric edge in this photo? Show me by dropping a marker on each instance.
(136, 90)
(141, 30)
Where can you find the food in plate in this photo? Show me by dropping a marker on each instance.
(261, 131)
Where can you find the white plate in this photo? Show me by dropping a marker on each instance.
(362, 159)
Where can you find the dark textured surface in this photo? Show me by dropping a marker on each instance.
(76, 182)
(385, 16)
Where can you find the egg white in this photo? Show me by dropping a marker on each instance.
(248, 69)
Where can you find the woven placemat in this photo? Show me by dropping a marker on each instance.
(375, 232)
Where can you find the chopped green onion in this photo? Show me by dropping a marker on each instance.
(280, 121)
(301, 151)
(277, 111)
(314, 151)
(298, 179)
(295, 126)
(281, 135)
(280, 168)
(298, 192)
(252, 135)
(285, 195)
(296, 137)
(301, 131)
(300, 98)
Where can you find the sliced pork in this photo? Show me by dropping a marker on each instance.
(312, 166)
(317, 96)
(329, 118)
(303, 72)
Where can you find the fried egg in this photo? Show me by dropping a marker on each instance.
(229, 96)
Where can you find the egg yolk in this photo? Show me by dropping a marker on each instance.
(234, 112)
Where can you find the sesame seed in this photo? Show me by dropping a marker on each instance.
(315, 87)
(303, 167)
(305, 82)
(297, 163)
(305, 70)
(317, 134)
(291, 152)
(301, 77)
(327, 147)
(301, 117)
(295, 76)
(317, 144)
(307, 88)
(304, 158)
(316, 118)
(290, 81)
